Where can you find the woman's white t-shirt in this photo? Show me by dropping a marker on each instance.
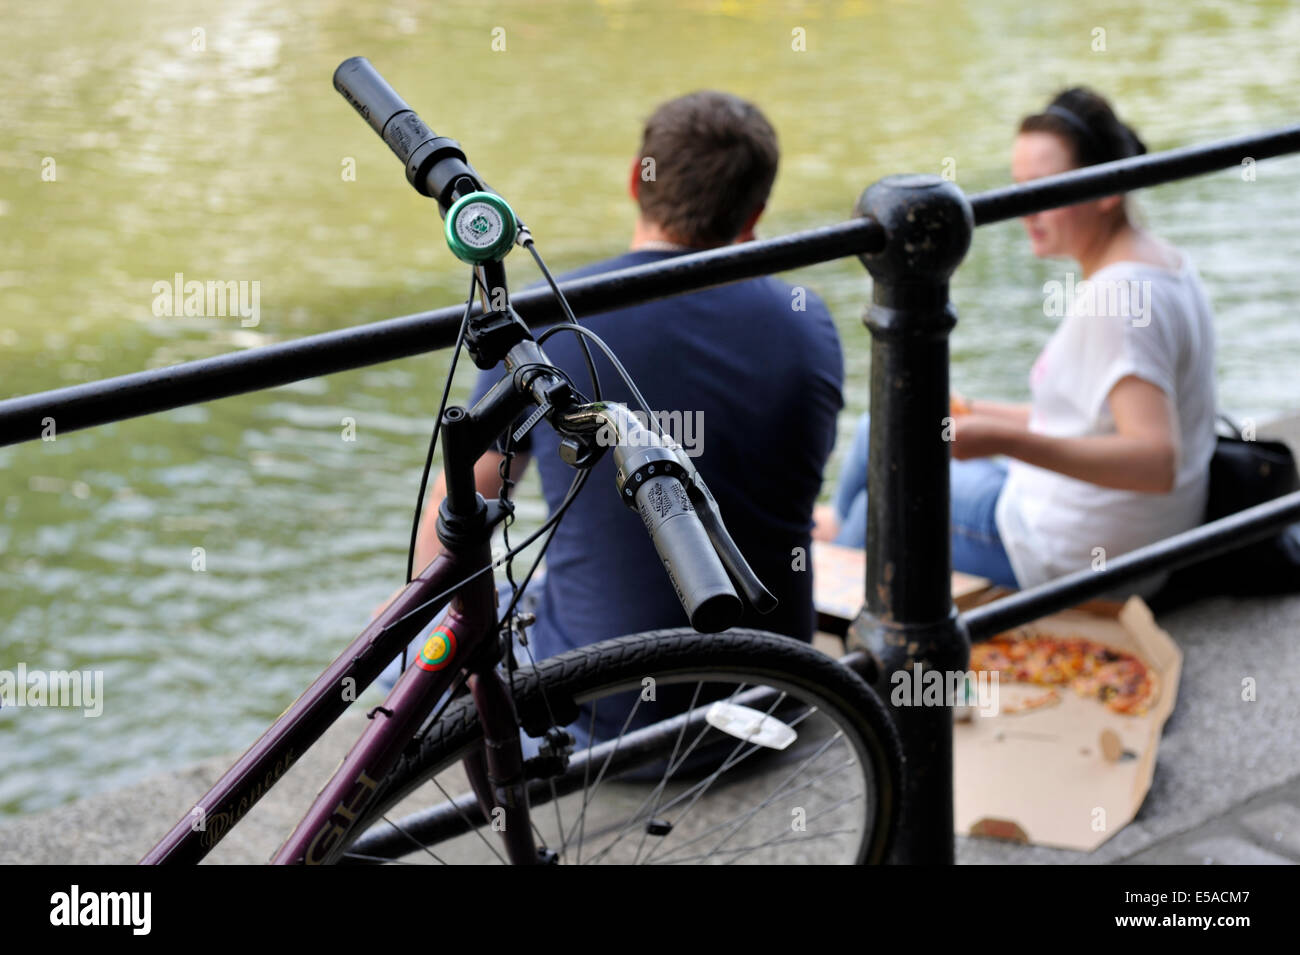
(1130, 318)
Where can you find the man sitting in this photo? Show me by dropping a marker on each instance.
(752, 371)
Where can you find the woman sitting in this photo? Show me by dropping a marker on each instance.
(1113, 451)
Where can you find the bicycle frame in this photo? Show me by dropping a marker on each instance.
(470, 634)
(302, 724)
(469, 626)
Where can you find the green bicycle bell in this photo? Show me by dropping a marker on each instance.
(480, 228)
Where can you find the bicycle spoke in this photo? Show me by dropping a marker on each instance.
(776, 795)
(703, 785)
(537, 834)
(794, 775)
(582, 814)
(746, 849)
(604, 766)
(781, 792)
(704, 730)
(817, 815)
(555, 799)
(383, 859)
(835, 771)
(731, 760)
(418, 844)
(657, 794)
(670, 768)
(586, 778)
(559, 823)
(473, 828)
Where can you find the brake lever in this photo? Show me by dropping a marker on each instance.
(759, 597)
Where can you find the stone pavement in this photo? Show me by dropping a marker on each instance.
(1226, 787)
(1262, 830)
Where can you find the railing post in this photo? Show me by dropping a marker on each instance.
(909, 619)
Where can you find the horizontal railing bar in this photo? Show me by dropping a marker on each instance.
(1208, 540)
(114, 399)
(141, 393)
(1122, 175)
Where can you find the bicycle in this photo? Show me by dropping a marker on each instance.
(707, 720)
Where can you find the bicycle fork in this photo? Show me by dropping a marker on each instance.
(496, 771)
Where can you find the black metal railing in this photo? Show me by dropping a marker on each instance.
(909, 618)
(129, 396)
(911, 232)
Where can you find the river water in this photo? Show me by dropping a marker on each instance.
(146, 139)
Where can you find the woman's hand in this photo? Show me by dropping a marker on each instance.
(977, 436)
(1017, 414)
(1141, 455)
(826, 523)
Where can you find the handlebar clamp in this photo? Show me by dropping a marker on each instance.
(490, 336)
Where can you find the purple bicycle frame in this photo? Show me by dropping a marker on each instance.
(469, 624)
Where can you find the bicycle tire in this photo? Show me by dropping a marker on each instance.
(618, 665)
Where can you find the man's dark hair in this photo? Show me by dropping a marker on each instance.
(714, 161)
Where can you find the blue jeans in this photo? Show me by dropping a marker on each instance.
(976, 547)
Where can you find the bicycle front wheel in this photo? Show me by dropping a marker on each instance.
(736, 747)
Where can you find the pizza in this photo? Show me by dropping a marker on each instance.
(1118, 679)
(1028, 702)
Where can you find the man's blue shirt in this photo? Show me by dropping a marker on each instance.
(756, 383)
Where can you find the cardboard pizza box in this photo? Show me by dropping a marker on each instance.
(840, 577)
(1072, 774)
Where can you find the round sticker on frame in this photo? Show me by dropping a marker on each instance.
(438, 650)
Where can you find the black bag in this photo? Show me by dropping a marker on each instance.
(1242, 474)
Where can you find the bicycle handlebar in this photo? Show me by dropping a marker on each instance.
(697, 575)
(662, 487)
(435, 165)
(653, 482)
(650, 480)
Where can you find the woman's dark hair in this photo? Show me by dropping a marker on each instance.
(1085, 120)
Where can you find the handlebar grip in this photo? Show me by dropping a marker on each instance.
(433, 163)
(697, 575)
(370, 95)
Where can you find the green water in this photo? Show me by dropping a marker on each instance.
(227, 164)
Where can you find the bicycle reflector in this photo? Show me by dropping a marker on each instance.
(480, 228)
